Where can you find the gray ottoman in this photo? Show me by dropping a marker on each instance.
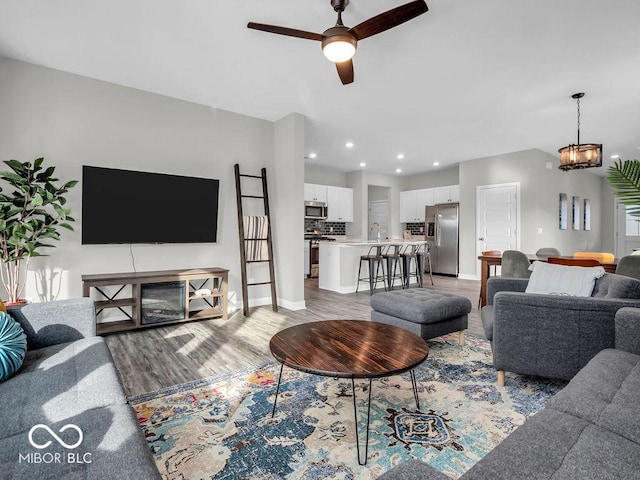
(427, 313)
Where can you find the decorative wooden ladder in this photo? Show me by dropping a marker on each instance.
(244, 242)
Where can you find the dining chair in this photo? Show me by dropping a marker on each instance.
(515, 264)
(629, 266)
(548, 252)
(574, 262)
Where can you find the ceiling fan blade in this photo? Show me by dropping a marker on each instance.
(291, 32)
(345, 70)
(389, 19)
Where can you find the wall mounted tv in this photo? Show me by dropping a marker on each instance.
(124, 206)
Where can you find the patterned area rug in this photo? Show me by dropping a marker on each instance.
(221, 427)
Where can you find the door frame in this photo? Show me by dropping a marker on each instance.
(377, 202)
(479, 188)
(622, 241)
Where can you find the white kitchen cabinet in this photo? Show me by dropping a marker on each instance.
(454, 193)
(315, 193)
(424, 197)
(339, 204)
(412, 204)
(448, 194)
(407, 206)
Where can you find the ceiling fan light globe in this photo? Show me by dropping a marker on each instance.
(339, 48)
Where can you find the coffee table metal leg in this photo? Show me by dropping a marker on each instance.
(355, 413)
(275, 400)
(414, 385)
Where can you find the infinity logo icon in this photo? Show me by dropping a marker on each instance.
(58, 439)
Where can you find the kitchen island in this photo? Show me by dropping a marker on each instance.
(340, 261)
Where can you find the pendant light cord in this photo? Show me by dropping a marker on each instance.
(578, 120)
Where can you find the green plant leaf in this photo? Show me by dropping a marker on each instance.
(45, 176)
(37, 201)
(17, 166)
(12, 178)
(624, 179)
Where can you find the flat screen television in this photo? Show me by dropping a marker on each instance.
(124, 206)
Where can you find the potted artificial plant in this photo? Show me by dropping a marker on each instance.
(31, 213)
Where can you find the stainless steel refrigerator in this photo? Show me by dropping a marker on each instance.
(441, 228)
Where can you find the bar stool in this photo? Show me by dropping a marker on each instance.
(374, 261)
(392, 260)
(424, 254)
(410, 265)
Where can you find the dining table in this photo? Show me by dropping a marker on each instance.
(486, 261)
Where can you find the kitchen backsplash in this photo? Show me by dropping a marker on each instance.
(327, 228)
(415, 228)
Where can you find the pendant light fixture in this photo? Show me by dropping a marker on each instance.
(586, 155)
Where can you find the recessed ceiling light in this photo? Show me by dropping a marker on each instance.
(435, 164)
(363, 164)
(400, 156)
(313, 155)
(349, 144)
(398, 170)
(615, 156)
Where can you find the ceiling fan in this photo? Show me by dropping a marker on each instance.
(339, 42)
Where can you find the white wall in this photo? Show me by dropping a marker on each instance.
(287, 192)
(435, 178)
(539, 190)
(73, 121)
(323, 176)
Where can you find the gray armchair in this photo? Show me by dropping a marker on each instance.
(550, 335)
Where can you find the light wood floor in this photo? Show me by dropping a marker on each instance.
(159, 357)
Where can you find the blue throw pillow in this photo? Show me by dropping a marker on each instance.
(13, 346)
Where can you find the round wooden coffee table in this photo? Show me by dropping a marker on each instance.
(349, 349)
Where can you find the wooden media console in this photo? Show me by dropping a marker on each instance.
(148, 299)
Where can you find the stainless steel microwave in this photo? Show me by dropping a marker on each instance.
(317, 210)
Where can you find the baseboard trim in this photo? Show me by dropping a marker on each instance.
(468, 276)
(259, 302)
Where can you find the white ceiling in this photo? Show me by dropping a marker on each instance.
(468, 79)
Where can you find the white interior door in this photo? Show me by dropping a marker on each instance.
(498, 217)
(378, 214)
(627, 232)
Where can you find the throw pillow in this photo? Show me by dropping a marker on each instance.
(562, 279)
(13, 346)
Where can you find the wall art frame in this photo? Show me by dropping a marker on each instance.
(587, 214)
(563, 210)
(576, 213)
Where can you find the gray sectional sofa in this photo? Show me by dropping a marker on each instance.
(588, 430)
(68, 378)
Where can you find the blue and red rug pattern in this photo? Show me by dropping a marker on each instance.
(221, 427)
